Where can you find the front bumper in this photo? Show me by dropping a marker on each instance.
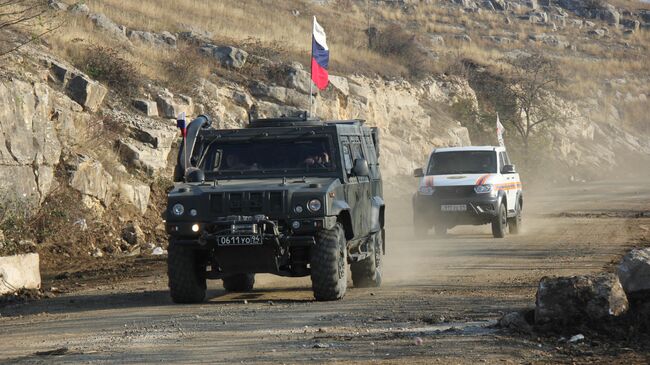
(479, 209)
(279, 249)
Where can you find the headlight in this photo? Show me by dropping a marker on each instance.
(298, 209)
(314, 205)
(426, 190)
(483, 189)
(178, 209)
(193, 212)
(195, 227)
(295, 224)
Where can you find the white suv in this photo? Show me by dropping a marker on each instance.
(468, 185)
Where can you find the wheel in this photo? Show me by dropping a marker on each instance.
(500, 222)
(328, 260)
(440, 229)
(186, 279)
(367, 273)
(239, 282)
(514, 223)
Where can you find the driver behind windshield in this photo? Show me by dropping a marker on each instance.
(234, 163)
(321, 159)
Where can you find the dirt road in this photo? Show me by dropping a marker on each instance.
(449, 292)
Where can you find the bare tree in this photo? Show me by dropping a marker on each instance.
(531, 80)
(24, 15)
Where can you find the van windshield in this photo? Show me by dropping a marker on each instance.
(462, 162)
(300, 156)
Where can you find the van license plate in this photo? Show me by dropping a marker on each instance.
(239, 240)
(454, 208)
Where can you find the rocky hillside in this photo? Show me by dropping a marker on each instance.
(87, 138)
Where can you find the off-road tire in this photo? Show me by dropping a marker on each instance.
(440, 229)
(186, 277)
(239, 283)
(500, 222)
(328, 264)
(367, 272)
(514, 223)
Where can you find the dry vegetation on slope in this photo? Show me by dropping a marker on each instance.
(426, 38)
(287, 24)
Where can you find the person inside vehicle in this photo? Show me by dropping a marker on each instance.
(321, 159)
(234, 163)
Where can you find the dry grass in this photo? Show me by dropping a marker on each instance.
(269, 23)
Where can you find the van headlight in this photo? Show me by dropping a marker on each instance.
(483, 189)
(426, 190)
(178, 209)
(314, 205)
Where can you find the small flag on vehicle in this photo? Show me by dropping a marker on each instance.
(500, 130)
(181, 124)
(320, 57)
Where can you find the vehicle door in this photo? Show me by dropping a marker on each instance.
(373, 163)
(509, 181)
(351, 187)
(361, 216)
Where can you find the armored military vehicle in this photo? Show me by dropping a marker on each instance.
(287, 196)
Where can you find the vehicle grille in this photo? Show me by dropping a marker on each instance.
(450, 192)
(247, 203)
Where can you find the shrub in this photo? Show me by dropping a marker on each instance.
(185, 67)
(394, 41)
(106, 64)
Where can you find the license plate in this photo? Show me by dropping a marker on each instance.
(239, 240)
(454, 208)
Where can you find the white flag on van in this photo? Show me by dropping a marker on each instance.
(500, 130)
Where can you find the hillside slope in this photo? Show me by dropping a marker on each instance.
(88, 112)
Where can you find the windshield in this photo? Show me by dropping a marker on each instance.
(462, 162)
(268, 156)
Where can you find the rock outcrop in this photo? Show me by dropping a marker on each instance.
(170, 105)
(153, 39)
(226, 55)
(92, 180)
(29, 144)
(87, 92)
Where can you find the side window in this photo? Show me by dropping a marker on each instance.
(355, 148)
(371, 155)
(370, 146)
(502, 161)
(432, 162)
(357, 152)
(507, 158)
(347, 158)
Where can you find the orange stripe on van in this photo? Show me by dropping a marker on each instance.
(508, 186)
(481, 180)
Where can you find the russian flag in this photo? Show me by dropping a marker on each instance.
(320, 57)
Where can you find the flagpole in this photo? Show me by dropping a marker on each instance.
(311, 69)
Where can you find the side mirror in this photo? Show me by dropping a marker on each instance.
(361, 167)
(508, 169)
(195, 175)
(418, 172)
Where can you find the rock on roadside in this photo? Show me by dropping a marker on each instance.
(567, 301)
(19, 272)
(517, 321)
(634, 272)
